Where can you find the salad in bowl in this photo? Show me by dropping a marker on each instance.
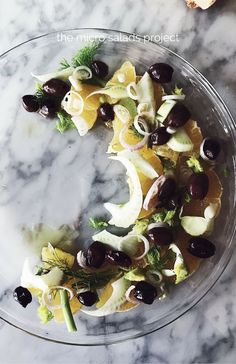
(162, 234)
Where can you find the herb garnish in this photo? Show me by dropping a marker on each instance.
(65, 122)
(167, 163)
(85, 56)
(97, 223)
(156, 261)
(194, 164)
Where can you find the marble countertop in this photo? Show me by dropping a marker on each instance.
(207, 333)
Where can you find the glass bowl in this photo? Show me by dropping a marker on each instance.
(55, 179)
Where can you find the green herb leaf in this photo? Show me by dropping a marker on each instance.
(97, 223)
(85, 56)
(92, 280)
(154, 257)
(39, 93)
(194, 164)
(187, 197)
(65, 122)
(167, 164)
(178, 91)
(226, 171)
(64, 64)
(140, 226)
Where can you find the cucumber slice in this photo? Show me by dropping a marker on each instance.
(180, 141)
(164, 110)
(114, 302)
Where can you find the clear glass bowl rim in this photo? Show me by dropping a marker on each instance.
(227, 254)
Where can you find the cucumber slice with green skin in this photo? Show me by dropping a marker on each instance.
(180, 141)
(130, 105)
(164, 110)
(62, 75)
(114, 302)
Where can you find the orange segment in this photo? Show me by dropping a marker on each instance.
(90, 116)
(127, 70)
(91, 103)
(105, 295)
(195, 134)
(166, 152)
(127, 306)
(129, 136)
(191, 261)
(215, 186)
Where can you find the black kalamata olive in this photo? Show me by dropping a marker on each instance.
(95, 255)
(106, 112)
(161, 72)
(22, 295)
(198, 185)
(56, 88)
(160, 235)
(99, 69)
(174, 202)
(145, 292)
(119, 258)
(88, 298)
(201, 247)
(159, 136)
(30, 103)
(48, 109)
(210, 149)
(178, 116)
(166, 191)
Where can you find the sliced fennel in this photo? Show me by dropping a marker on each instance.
(164, 110)
(116, 299)
(180, 269)
(146, 95)
(122, 113)
(196, 225)
(130, 105)
(126, 214)
(62, 75)
(117, 92)
(43, 282)
(180, 141)
(81, 125)
(73, 103)
(140, 163)
(129, 244)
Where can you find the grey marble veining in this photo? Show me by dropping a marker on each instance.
(207, 333)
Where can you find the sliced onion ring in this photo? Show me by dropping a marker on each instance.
(81, 259)
(146, 247)
(55, 307)
(156, 224)
(168, 272)
(151, 273)
(82, 73)
(173, 97)
(131, 147)
(139, 120)
(152, 192)
(133, 95)
(127, 295)
(171, 130)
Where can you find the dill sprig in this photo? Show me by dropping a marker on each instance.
(82, 278)
(135, 131)
(65, 122)
(39, 93)
(85, 56)
(64, 64)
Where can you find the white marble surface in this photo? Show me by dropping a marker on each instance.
(207, 333)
